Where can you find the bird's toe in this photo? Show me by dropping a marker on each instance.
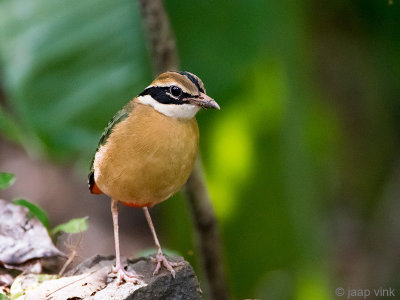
(161, 260)
(126, 276)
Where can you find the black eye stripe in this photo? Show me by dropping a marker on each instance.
(162, 95)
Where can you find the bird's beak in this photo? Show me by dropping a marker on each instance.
(204, 101)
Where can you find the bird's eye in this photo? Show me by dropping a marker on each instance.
(175, 91)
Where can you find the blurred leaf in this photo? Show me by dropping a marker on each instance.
(3, 297)
(25, 283)
(238, 129)
(23, 239)
(6, 180)
(34, 210)
(153, 251)
(67, 67)
(313, 285)
(277, 285)
(8, 127)
(230, 168)
(72, 226)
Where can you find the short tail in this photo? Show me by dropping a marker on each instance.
(92, 184)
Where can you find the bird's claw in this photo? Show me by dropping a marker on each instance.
(161, 260)
(126, 276)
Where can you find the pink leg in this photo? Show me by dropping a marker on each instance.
(118, 269)
(160, 257)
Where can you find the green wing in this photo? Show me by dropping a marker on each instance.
(118, 117)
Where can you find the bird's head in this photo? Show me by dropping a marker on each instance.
(177, 94)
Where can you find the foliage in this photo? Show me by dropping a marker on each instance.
(34, 210)
(152, 251)
(6, 180)
(73, 76)
(72, 226)
(21, 285)
(305, 145)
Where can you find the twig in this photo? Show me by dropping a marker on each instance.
(71, 256)
(72, 282)
(159, 34)
(207, 233)
(164, 57)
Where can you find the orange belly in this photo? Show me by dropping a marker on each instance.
(147, 158)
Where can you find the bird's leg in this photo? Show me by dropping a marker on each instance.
(160, 257)
(118, 269)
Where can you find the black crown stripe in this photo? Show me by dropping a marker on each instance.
(192, 79)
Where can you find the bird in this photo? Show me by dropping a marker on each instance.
(147, 152)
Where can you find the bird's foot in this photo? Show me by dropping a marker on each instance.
(161, 260)
(123, 275)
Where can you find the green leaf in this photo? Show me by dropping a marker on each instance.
(9, 128)
(67, 67)
(2, 296)
(72, 226)
(34, 210)
(153, 251)
(6, 180)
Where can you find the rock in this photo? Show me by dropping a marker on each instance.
(92, 279)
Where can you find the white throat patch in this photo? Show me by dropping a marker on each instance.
(181, 111)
